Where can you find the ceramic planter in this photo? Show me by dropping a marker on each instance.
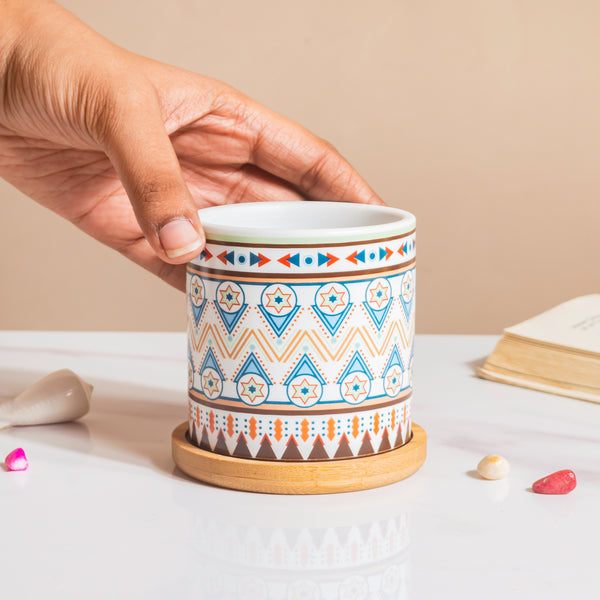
(300, 331)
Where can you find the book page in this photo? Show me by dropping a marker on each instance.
(574, 324)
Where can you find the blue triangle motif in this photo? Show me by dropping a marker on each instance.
(395, 359)
(278, 324)
(197, 311)
(332, 322)
(254, 258)
(407, 307)
(230, 320)
(294, 260)
(382, 253)
(361, 256)
(305, 366)
(356, 364)
(378, 316)
(253, 367)
(322, 259)
(211, 362)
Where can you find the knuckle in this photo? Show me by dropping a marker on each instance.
(159, 199)
(327, 173)
(311, 177)
(111, 102)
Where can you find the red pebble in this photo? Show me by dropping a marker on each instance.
(561, 482)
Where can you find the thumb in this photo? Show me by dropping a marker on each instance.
(141, 152)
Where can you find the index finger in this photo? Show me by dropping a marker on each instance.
(291, 152)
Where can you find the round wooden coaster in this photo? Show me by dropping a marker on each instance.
(315, 477)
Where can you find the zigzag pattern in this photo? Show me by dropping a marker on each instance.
(300, 548)
(376, 321)
(200, 338)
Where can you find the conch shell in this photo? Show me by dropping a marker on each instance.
(59, 397)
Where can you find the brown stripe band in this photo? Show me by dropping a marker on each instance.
(192, 268)
(308, 245)
(298, 412)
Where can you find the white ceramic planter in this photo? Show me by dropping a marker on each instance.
(300, 331)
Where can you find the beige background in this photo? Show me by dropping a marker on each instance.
(482, 117)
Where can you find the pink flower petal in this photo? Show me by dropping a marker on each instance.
(16, 460)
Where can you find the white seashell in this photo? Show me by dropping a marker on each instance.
(493, 466)
(58, 397)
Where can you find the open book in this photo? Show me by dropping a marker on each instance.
(557, 351)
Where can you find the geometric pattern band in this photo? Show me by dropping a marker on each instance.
(300, 438)
(293, 546)
(353, 560)
(301, 344)
(294, 260)
(311, 366)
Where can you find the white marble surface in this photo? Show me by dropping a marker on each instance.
(103, 513)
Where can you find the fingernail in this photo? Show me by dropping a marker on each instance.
(179, 237)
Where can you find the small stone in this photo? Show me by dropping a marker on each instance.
(493, 466)
(561, 482)
(16, 460)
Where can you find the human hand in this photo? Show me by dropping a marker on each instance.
(128, 148)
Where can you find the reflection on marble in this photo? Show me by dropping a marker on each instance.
(74, 436)
(103, 496)
(342, 551)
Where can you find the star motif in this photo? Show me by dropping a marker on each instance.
(332, 299)
(230, 297)
(211, 384)
(197, 292)
(305, 391)
(356, 388)
(379, 295)
(278, 300)
(393, 381)
(253, 391)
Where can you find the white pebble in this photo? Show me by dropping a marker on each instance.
(493, 466)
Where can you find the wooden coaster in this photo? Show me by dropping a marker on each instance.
(314, 477)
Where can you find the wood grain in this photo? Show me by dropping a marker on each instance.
(316, 477)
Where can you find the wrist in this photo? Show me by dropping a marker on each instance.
(14, 15)
(17, 18)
